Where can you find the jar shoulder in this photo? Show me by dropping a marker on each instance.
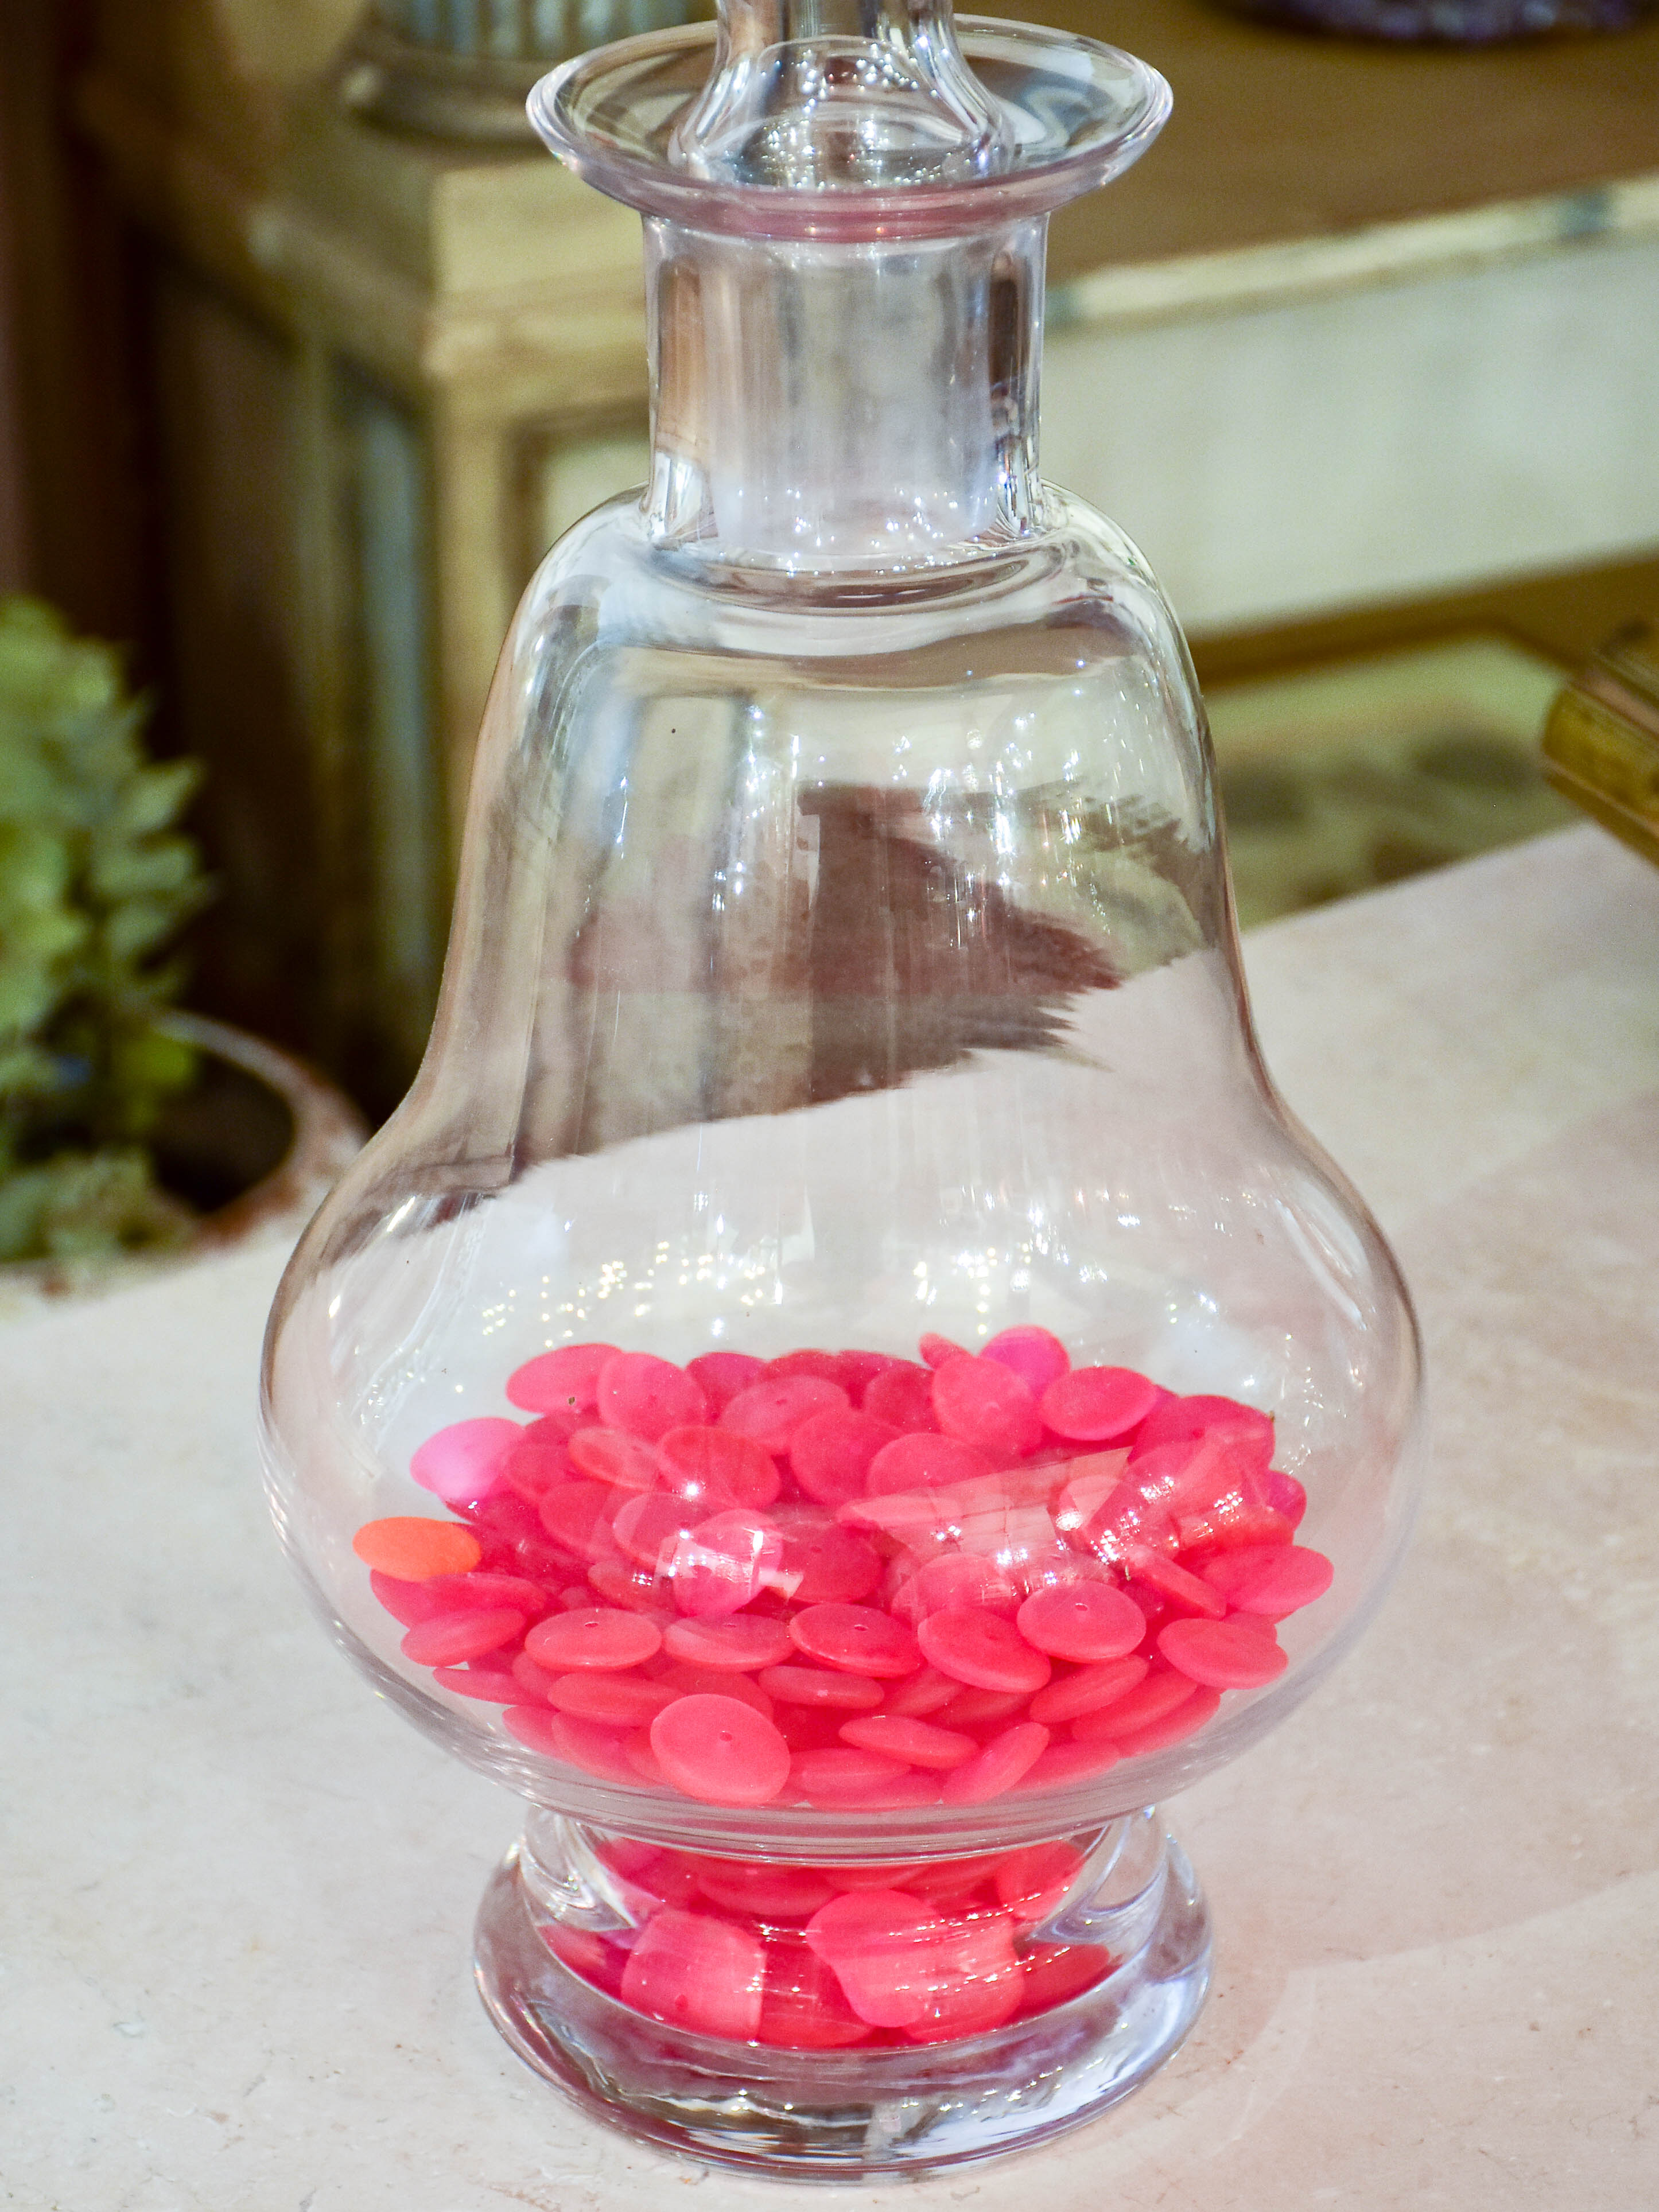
(606, 585)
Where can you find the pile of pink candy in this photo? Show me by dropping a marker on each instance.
(821, 1958)
(845, 1581)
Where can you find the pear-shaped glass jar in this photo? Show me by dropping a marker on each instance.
(841, 1384)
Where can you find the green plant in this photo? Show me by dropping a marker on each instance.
(95, 883)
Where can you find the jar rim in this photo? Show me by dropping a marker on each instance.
(1081, 111)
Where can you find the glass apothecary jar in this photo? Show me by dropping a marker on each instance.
(841, 1384)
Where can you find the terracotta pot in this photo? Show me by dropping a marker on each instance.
(256, 1144)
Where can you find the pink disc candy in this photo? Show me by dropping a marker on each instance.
(449, 1638)
(921, 1693)
(761, 1891)
(1052, 1972)
(534, 1682)
(463, 1462)
(694, 1971)
(804, 2008)
(924, 1462)
(1175, 1418)
(1035, 1356)
(1033, 1882)
(720, 1751)
(493, 1685)
(1186, 1593)
(575, 1514)
(568, 1377)
(1186, 1719)
(612, 1456)
(619, 1582)
(692, 1681)
(1004, 1761)
(610, 1700)
(1064, 1764)
(988, 1405)
(984, 1651)
(1159, 1694)
(830, 1454)
(720, 1375)
(823, 1564)
(648, 1527)
(820, 1688)
(826, 1365)
(1081, 1620)
(912, 1743)
(1092, 1405)
(1284, 1496)
(472, 1593)
(537, 1461)
(533, 1726)
(859, 1369)
(770, 1410)
(957, 1579)
(717, 1467)
(903, 1395)
(840, 1777)
(1272, 1579)
(738, 1644)
(588, 1955)
(936, 1350)
(1087, 1691)
(1220, 1655)
(978, 1709)
(719, 1565)
(408, 1602)
(977, 1981)
(879, 1945)
(596, 1636)
(647, 1396)
(643, 1761)
(857, 1638)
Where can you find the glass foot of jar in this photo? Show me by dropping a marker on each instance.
(884, 2106)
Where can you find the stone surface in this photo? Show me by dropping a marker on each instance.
(238, 1896)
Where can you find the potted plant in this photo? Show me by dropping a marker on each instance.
(130, 1134)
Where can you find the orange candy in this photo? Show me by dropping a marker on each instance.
(414, 1549)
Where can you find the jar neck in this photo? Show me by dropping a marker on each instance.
(827, 406)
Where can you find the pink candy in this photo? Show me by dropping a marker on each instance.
(1081, 1620)
(568, 1377)
(856, 1638)
(1096, 1404)
(983, 1649)
(851, 1582)
(597, 1635)
(647, 1396)
(1033, 1355)
(988, 1405)
(770, 1410)
(464, 1461)
(721, 1750)
(696, 1971)
(1223, 1654)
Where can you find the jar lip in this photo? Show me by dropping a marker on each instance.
(1080, 114)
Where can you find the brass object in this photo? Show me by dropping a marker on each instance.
(1602, 741)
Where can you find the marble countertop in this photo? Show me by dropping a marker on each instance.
(237, 1898)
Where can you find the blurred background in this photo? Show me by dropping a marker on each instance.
(308, 353)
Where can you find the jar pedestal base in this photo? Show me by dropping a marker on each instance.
(848, 2115)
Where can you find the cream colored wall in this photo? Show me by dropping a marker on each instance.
(223, 66)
